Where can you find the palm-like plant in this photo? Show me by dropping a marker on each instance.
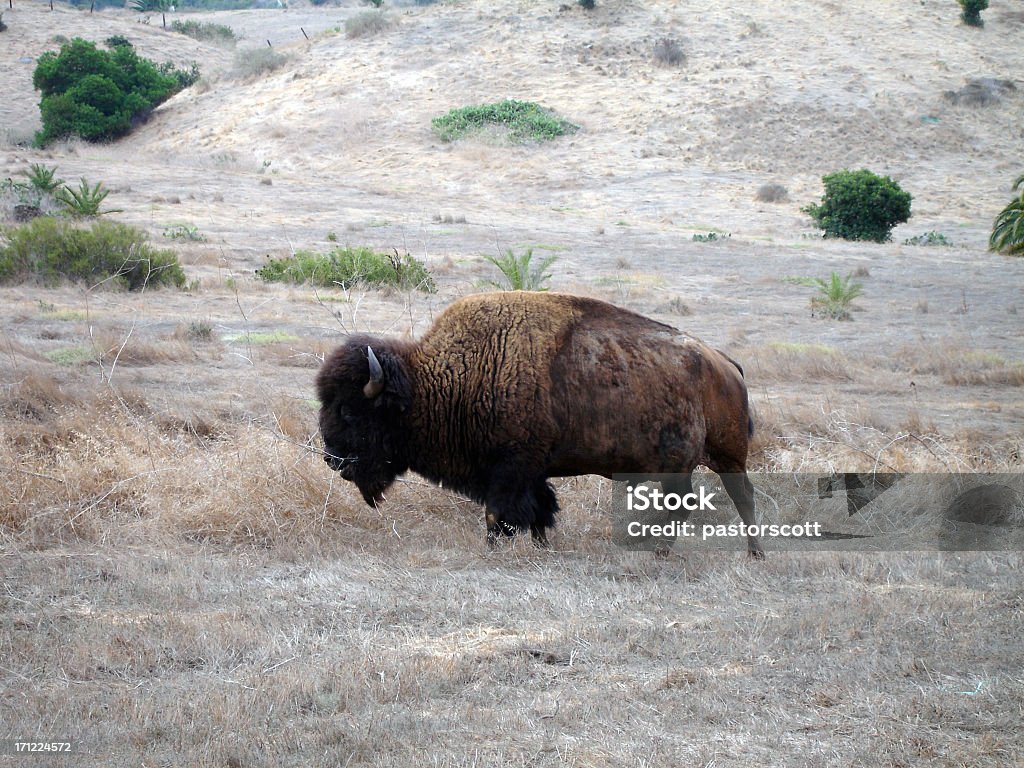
(86, 200)
(1008, 228)
(148, 6)
(836, 295)
(519, 274)
(42, 178)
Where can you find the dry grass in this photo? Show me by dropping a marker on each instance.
(205, 583)
(960, 365)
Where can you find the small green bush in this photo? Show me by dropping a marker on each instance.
(116, 41)
(524, 120)
(209, 32)
(347, 267)
(184, 232)
(518, 273)
(929, 238)
(859, 205)
(1008, 228)
(50, 251)
(99, 95)
(971, 10)
(710, 237)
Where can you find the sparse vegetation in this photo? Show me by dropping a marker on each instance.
(859, 205)
(188, 232)
(669, 53)
(1008, 228)
(367, 23)
(929, 238)
(835, 296)
(522, 120)
(257, 62)
(206, 31)
(772, 193)
(981, 92)
(349, 267)
(50, 251)
(970, 12)
(518, 272)
(200, 330)
(710, 237)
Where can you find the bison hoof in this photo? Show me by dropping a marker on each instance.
(755, 554)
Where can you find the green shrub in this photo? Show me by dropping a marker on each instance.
(1008, 228)
(205, 31)
(928, 238)
(50, 250)
(524, 121)
(184, 232)
(858, 205)
(710, 237)
(971, 12)
(116, 41)
(518, 273)
(347, 267)
(96, 94)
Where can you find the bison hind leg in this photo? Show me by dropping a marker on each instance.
(741, 491)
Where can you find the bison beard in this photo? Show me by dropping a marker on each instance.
(507, 390)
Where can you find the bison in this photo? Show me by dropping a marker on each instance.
(507, 390)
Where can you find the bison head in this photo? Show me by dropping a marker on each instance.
(364, 391)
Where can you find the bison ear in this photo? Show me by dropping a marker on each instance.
(375, 385)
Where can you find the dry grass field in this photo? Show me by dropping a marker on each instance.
(184, 582)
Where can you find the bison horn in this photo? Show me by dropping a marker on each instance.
(376, 383)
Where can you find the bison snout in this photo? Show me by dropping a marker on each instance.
(344, 465)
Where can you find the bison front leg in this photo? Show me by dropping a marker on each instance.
(514, 505)
(681, 484)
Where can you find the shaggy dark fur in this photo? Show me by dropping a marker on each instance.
(509, 389)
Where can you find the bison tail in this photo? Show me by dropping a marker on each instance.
(750, 425)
